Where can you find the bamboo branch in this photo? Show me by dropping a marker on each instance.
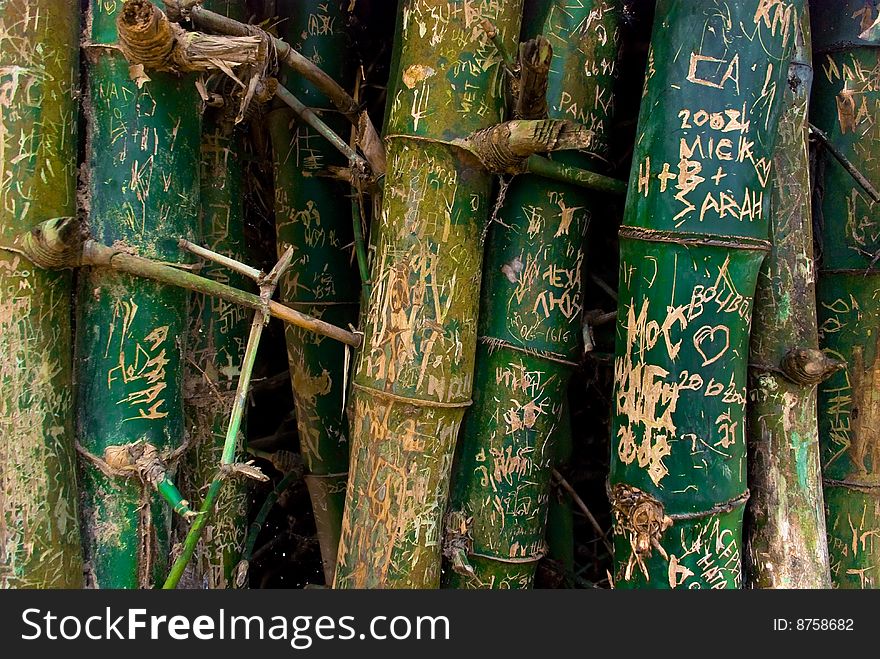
(565, 485)
(342, 100)
(360, 248)
(148, 38)
(505, 147)
(492, 32)
(227, 460)
(847, 165)
(584, 178)
(220, 259)
(58, 244)
(263, 513)
(511, 147)
(357, 163)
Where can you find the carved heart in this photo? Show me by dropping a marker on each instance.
(712, 341)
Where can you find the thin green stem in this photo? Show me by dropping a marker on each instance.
(267, 289)
(565, 485)
(558, 171)
(492, 32)
(360, 248)
(260, 519)
(168, 491)
(860, 178)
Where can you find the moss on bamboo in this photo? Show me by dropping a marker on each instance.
(39, 518)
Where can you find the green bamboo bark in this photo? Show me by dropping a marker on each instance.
(846, 106)
(218, 333)
(414, 374)
(530, 320)
(695, 232)
(560, 514)
(143, 189)
(785, 516)
(39, 519)
(313, 213)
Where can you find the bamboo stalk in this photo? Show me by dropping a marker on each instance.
(530, 321)
(785, 517)
(695, 232)
(414, 376)
(217, 337)
(142, 172)
(39, 516)
(845, 104)
(313, 214)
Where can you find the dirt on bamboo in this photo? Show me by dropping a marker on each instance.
(414, 374)
(313, 213)
(695, 232)
(530, 317)
(39, 518)
(785, 516)
(141, 190)
(846, 107)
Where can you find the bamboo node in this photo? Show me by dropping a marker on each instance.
(505, 147)
(809, 366)
(140, 459)
(55, 244)
(150, 41)
(642, 518)
(458, 544)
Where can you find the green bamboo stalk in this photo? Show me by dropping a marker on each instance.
(142, 170)
(785, 517)
(695, 232)
(217, 335)
(530, 320)
(414, 375)
(846, 106)
(313, 214)
(39, 518)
